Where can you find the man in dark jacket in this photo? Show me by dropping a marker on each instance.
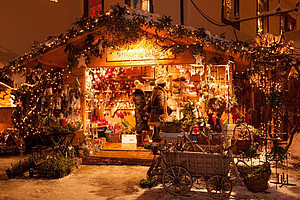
(158, 106)
(140, 114)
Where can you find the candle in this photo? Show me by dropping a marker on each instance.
(62, 121)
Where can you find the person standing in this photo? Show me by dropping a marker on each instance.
(158, 106)
(141, 118)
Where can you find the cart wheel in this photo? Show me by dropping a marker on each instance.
(219, 187)
(177, 180)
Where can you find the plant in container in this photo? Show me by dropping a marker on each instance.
(20, 167)
(56, 167)
(171, 126)
(241, 138)
(256, 177)
(257, 134)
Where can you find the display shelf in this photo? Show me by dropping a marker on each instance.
(148, 78)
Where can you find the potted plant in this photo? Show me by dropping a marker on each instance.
(256, 133)
(256, 177)
(55, 167)
(171, 126)
(20, 167)
(241, 139)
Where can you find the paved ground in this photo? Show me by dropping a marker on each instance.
(116, 183)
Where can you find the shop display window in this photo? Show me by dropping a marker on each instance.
(110, 91)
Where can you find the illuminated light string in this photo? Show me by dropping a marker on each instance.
(266, 48)
(201, 37)
(26, 122)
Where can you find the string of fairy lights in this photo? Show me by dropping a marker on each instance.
(126, 26)
(29, 100)
(120, 25)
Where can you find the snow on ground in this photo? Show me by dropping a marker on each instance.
(118, 183)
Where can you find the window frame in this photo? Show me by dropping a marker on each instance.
(235, 8)
(264, 21)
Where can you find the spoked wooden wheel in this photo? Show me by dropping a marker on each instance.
(177, 180)
(219, 187)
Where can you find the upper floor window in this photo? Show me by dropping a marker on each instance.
(146, 5)
(263, 22)
(230, 12)
(287, 23)
(94, 6)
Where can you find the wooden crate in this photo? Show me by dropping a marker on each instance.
(198, 163)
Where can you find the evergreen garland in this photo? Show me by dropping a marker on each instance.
(121, 26)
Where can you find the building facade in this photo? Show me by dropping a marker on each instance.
(25, 23)
(234, 19)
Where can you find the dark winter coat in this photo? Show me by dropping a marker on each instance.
(158, 105)
(140, 113)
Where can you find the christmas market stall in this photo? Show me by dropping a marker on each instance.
(84, 79)
(83, 88)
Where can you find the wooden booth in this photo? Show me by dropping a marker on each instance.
(99, 61)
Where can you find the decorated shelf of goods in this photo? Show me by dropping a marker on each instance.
(99, 123)
(182, 78)
(148, 78)
(192, 94)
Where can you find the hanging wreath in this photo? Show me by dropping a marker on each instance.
(217, 104)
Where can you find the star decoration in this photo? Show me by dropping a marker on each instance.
(81, 61)
(4, 94)
(199, 59)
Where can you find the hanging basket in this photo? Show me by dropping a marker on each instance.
(256, 177)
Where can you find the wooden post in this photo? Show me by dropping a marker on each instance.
(171, 84)
(80, 74)
(83, 99)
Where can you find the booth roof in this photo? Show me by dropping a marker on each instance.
(121, 26)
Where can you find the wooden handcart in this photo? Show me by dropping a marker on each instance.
(181, 169)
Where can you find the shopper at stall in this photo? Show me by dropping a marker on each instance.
(158, 106)
(141, 118)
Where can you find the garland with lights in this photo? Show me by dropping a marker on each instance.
(271, 72)
(34, 100)
(270, 58)
(123, 26)
(40, 100)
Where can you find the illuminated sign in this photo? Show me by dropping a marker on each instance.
(143, 51)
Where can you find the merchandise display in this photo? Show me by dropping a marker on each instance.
(110, 104)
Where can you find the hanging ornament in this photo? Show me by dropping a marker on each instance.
(100, 47)
(81, 61)
(193, 72)
(58, 103)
